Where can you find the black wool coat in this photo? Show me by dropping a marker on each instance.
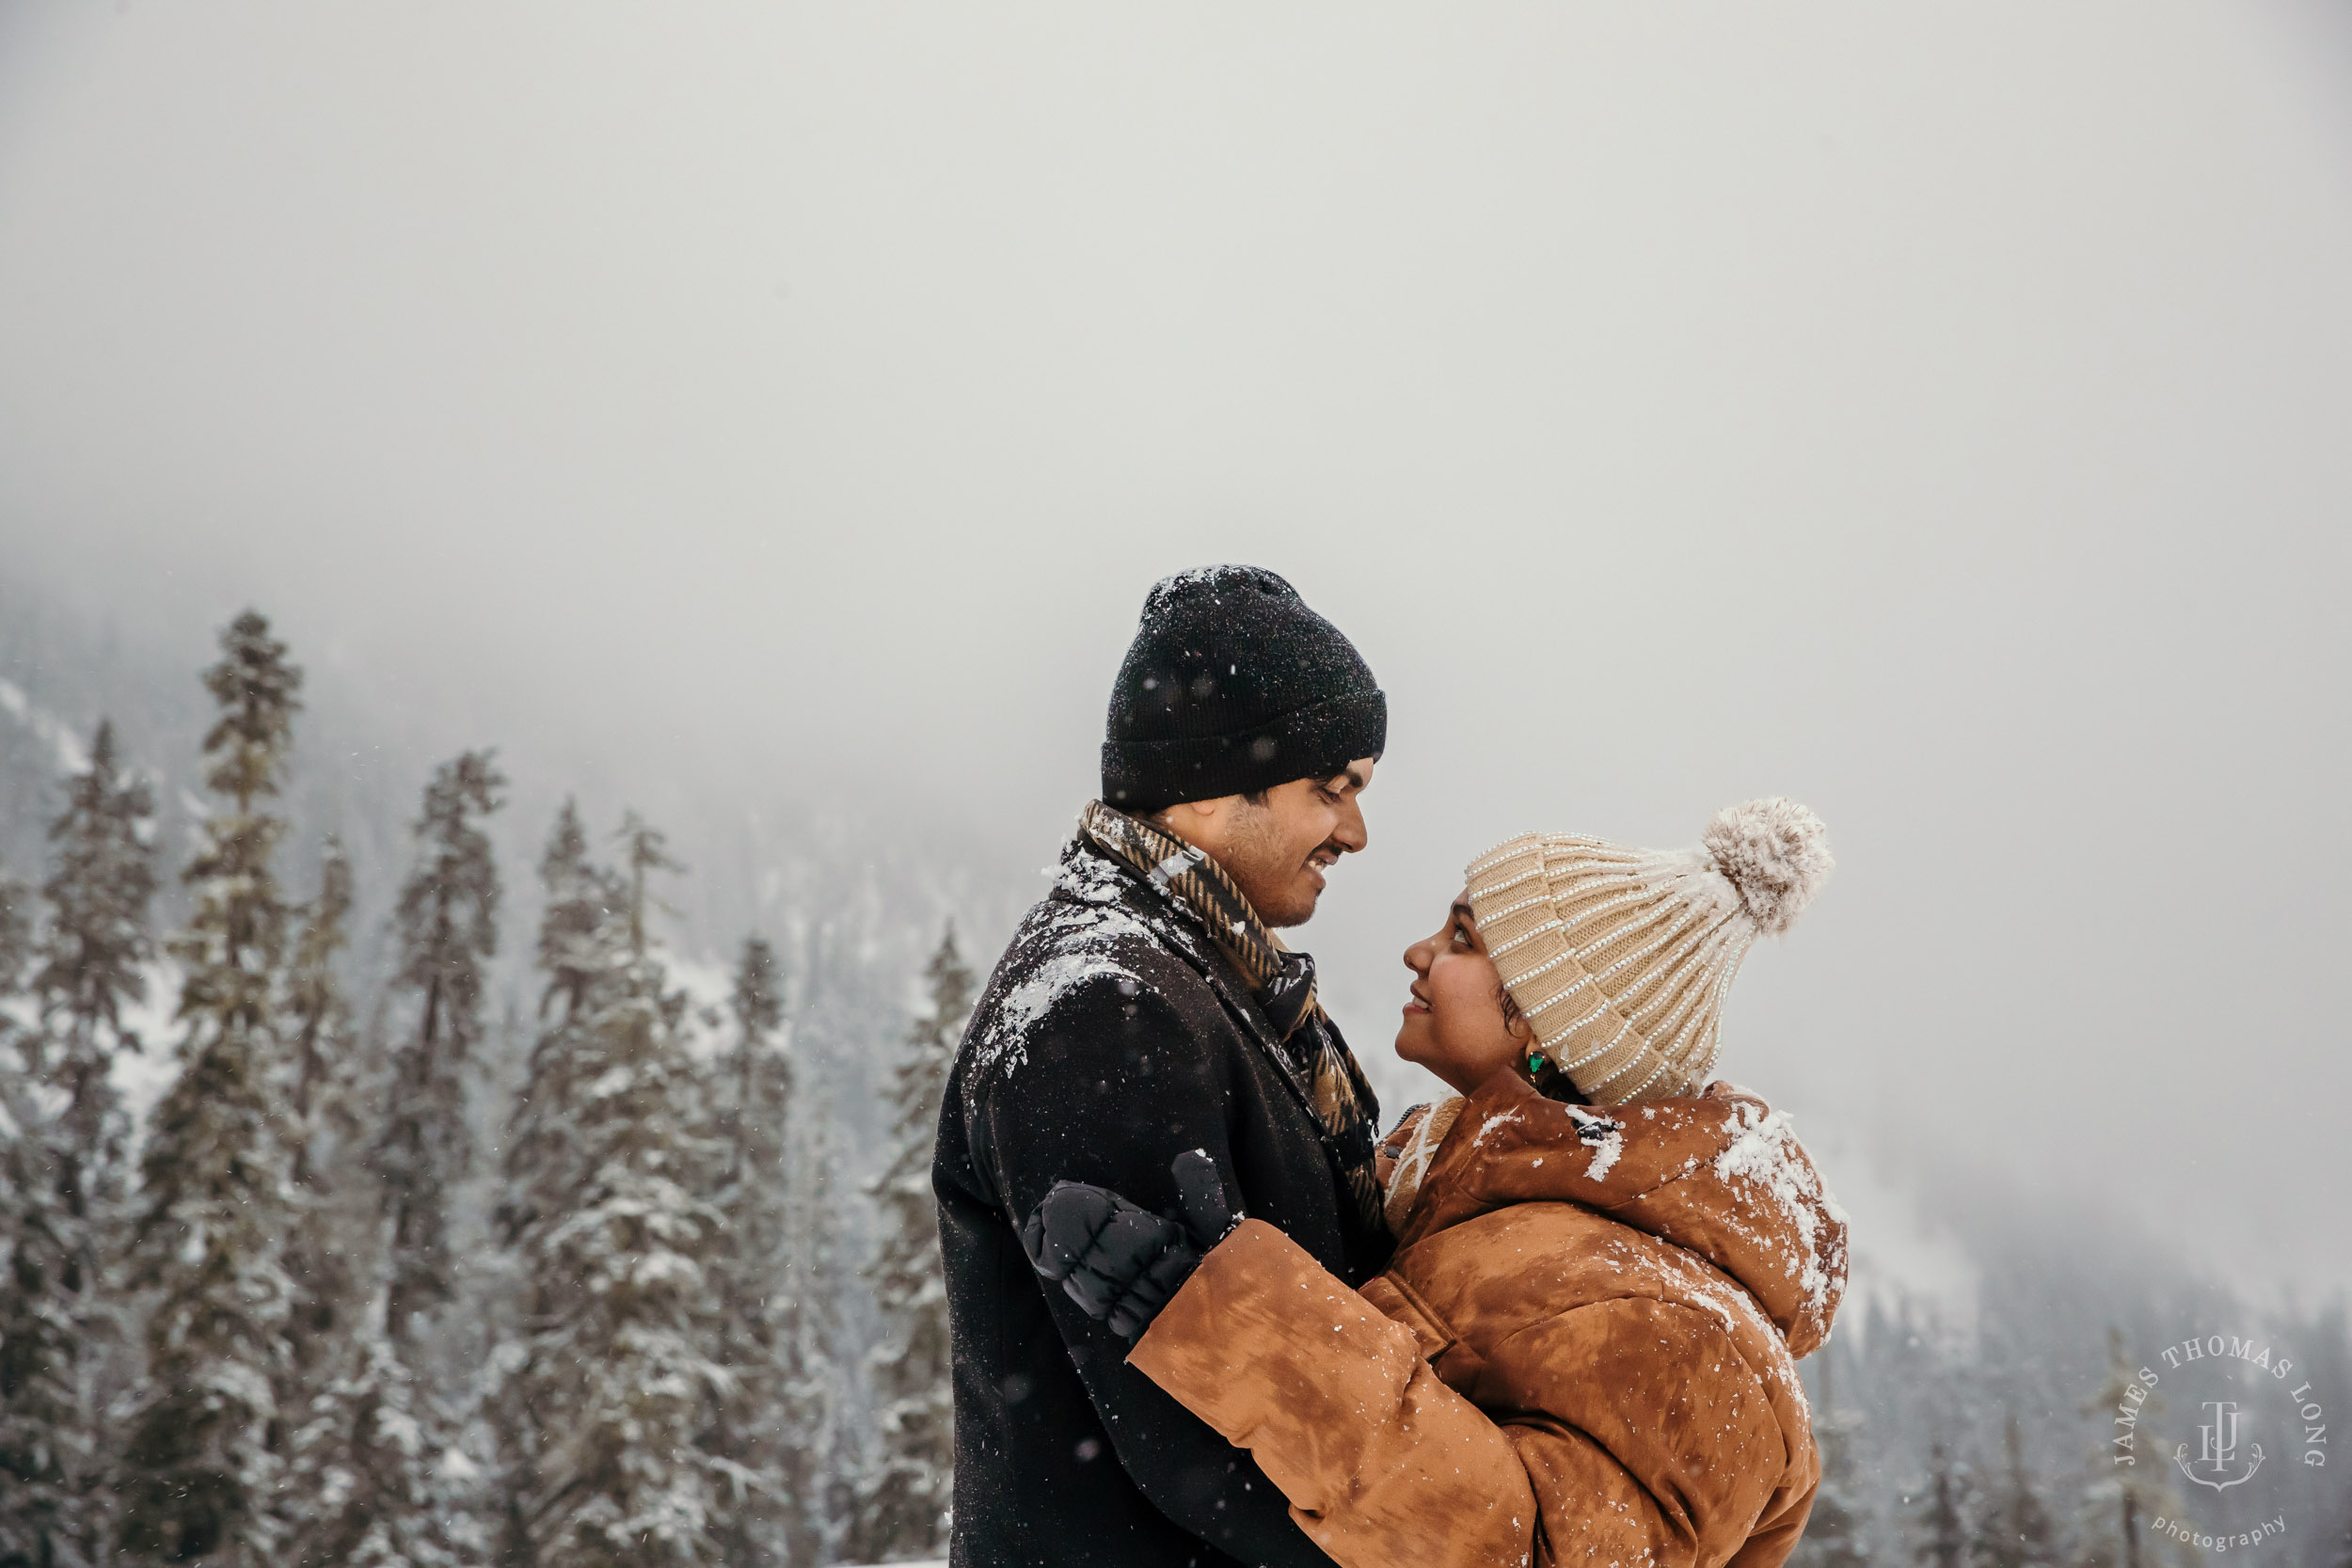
(1112, 1036)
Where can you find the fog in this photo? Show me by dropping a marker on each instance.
(1938, 416)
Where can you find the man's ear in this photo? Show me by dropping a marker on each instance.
(1194, 821)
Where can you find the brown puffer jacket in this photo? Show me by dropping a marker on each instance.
(1584, 1353)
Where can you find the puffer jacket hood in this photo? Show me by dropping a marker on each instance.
(1720, 1174)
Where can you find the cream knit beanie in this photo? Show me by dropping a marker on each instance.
(1619, 958)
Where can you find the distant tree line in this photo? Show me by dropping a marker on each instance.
(1980, 1451)
(251, 1328)
(338, 1296)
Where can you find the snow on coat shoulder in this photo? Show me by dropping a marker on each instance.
(1071, 939)
(1090, 941)
(1720, 1175)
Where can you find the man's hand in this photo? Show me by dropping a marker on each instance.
(1116, 1259)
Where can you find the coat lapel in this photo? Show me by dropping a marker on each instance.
(1152, 910)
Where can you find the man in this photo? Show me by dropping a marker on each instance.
(1145, 1008)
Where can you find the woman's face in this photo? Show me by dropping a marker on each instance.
(1453, 1022)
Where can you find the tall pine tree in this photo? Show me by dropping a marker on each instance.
(16, 939)
(324, 1067)
(90, 966)
(379, 1472)
(755, 1425)
(827, 1444)
(330, 1252)
(57, 1320)
(903, 1499)
(602, 1402)
(2129, 1483)
(364, 1458)
(39, 1517)
(2015, 1529)
(317, 1016)
(203, 1462)
(447, 924)
(1943, 1526)
(1836, 1533)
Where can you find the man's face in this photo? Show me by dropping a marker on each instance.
(1277, 850)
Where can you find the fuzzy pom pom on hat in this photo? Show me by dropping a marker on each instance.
(1619, 958)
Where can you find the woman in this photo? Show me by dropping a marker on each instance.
(1583, 1350)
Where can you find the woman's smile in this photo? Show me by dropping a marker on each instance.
(1455, 1022)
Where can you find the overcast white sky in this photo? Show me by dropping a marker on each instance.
(1942, 414)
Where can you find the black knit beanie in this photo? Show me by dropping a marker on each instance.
(1231, 686)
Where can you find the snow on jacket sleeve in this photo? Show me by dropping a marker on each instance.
(1636, 1436)
(1113, 1085)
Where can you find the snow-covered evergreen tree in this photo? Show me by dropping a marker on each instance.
(447, 926)
(16, 938)
(1836, 1533)
(828, 1445)
(202, 1461)
(324, 1067)
(374, 1477)
(369, 1467)
(1943, 1525)
(602, 1399)
(2014, 1530)
(90, 961)
(318, 1018)
(903, 1499)
(756, 1436)
(90, 968)
(2128, 1481)
(381, 1484)
(379, 1476)
(41, 1452)
(61, 1196)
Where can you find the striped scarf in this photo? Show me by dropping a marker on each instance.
(1282, 981)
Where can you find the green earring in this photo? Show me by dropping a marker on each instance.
(1534, 1063)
